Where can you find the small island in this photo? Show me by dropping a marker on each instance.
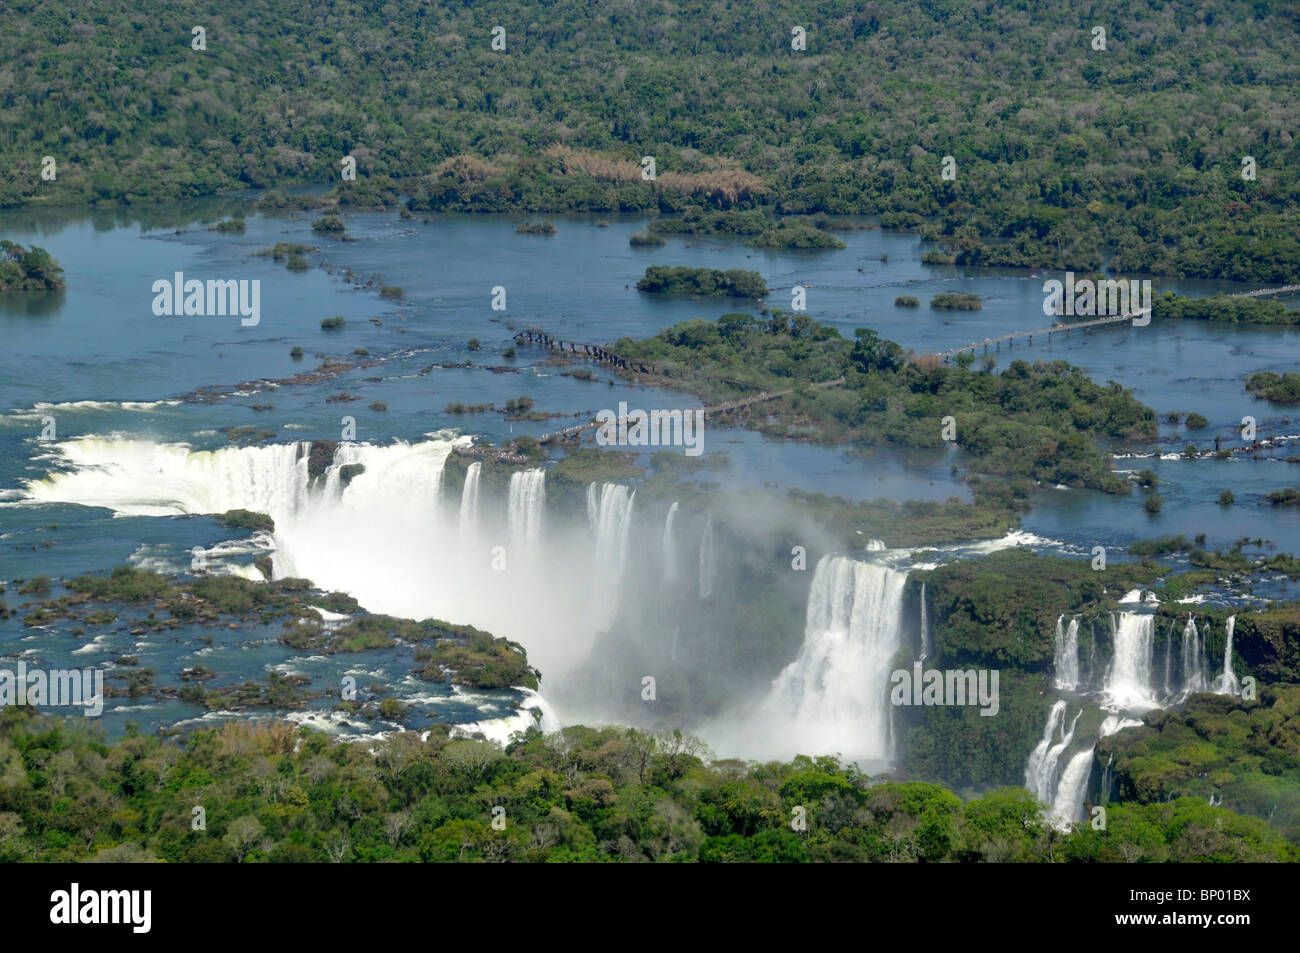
(734, 283)
(952, 301)
(1279, 388)
(28, 269)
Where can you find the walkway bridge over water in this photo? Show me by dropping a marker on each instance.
(1087, 326)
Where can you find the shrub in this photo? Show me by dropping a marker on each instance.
(332, 324)
(331, 224)
(1227, 498)
(907, 301)
(952, 301)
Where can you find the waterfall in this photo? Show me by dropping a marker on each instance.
(345, 454)
(925, 627)
(1066, 662)
(469, 501)
(609, 512)
(670, 557)
(1092, 652)
(527, 505)
(143, 478)
(1128, 688)
(1227, 683)
(1067, 807)
(1040, 772)
(387, 537)
(1128, 682)
(1169, 657)
(706, 560)
(835, 695)
(1194, 679)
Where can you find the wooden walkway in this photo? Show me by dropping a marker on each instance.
(1265, 291)
(1058, 329)
(570, 433)
(596, 352)
(1085, 325)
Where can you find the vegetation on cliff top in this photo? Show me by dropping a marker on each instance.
(607, 794)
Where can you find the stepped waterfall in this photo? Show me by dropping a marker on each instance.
(1129, 689)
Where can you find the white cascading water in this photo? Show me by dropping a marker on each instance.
(384, 537)
(1128, 683)
(835, 695)
(1067, 806)
(1194, 679)
(1066, 662)
(534, 710)
(670, 555)
(526, 505)
(1041, 772)
(1128, 689)
(609, 513)
(925, 627)
(468, 524)
(706, 560)
(1169, 654)
(1227, 683)
(1034, 779)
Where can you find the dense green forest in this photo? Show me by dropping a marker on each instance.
(1224, 309)
(1061, 151)
(276, 792)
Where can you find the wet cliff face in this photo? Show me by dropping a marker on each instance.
(1268, 644)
